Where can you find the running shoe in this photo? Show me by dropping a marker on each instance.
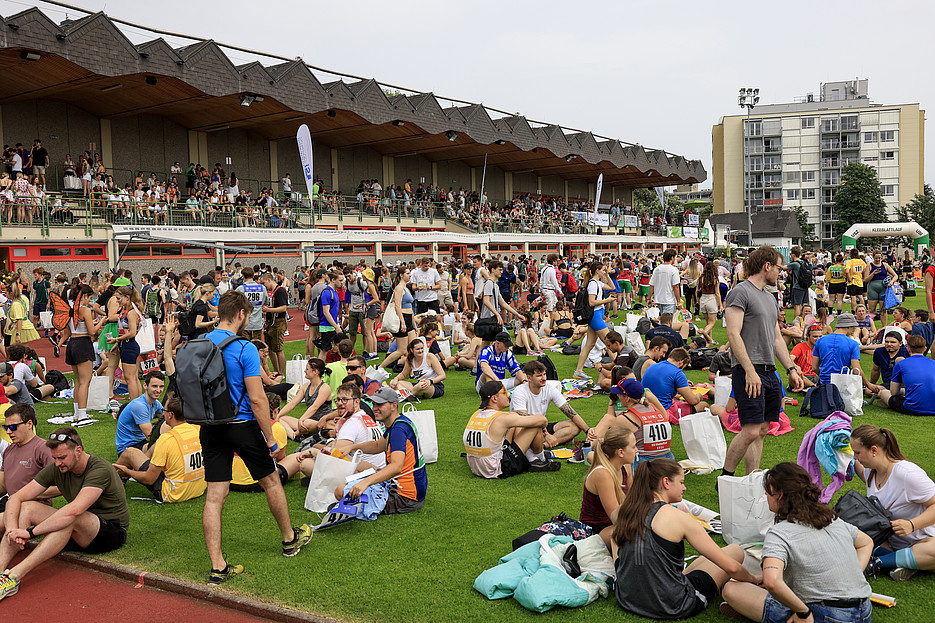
(578, 456)
(303, 534)
(581, 374)
(57, 351)
(901, 574)
(219, 577)
(544, 466)
(87, 421)
(371, 357)
(8, 584)
(873, 568)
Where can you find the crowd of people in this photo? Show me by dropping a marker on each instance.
(435, 319)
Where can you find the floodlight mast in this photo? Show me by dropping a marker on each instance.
(748, 98)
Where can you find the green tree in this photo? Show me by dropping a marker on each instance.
(859, 199)
(645, 199)
(808, 229)
(921, 209)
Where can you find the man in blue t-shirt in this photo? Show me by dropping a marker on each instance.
(838, 351)
(330, 305)
(911, 390)
(664, 329)
(250, 436)
(405, 467)
(667, 381)
(922, 326)
(135, 423)
(886, 357)
(495, 360)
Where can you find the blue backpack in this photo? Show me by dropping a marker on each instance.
(821, 401)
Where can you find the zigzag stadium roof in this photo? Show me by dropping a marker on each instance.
(92, 64)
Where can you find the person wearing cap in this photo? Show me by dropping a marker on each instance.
(24, 456)
(370, 310)
(840, 351)
(495, 360)
(534, 397)
(405, 466)
(489, 453)
(13, 389)
(911, 390)
(94, 519)
(631, 408)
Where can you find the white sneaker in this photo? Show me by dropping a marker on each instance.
(901, 574)
(286, 333)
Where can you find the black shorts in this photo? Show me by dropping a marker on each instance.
(110, 536)
(404, 331)
(897, 404)
(36, 308)
(327, 339)
(512, 460)
(766, 406)
(837, 288)
(424, 306)
(797, 296)
(256, 488)
(219, 443)
(373, 312)
(550, 428)
(78, 350)
(705, 589)
(855, 290)
(439, 390)
(397, 504)
(156, 487)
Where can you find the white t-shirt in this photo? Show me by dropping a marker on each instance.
(17, 163)
(428, 278)
(536, 404)
(595, 289)
(664, 277)
(21, 372)
(360, 428)
(904, 493)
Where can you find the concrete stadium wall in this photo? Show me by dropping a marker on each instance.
(23, 122)
(412, 167)
(289, 162)
(355, 164)
(249, 154)
(71, 269)
(148, 143)
(494, 185)
(579, 188)
(553, 185)
(455, 174)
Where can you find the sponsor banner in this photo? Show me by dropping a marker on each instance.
(674, 232)
(631, 220)
(690, 232)
(599, 219)
(304, 139)
(693, 220)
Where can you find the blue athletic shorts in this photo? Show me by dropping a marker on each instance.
(597, 320)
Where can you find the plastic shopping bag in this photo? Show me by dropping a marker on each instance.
(425, 428)
(146, 337)
(722, 389)
(852, 391)
(295, 370)
(99, 393)
(703, 438)
(635, 341)
(745, 514)
(328, 474)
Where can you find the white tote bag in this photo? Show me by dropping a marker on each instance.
(745, 514)
(635, 341)
(146, 337)
(632, 321)
(391, 319)
(722, 389)
(45, 319)
(425, 427)
(99, 393)
(328, 474)
(852, 391)
(295, 370)
(445, 348)
(652, 313)
(703, 438)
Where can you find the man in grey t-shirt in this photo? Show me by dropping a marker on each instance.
(257, 295)
(755, 341)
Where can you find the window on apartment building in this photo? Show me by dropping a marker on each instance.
(792, 177)
(829, 125)
(808, 176)
(870, 137)
(753, 128)
(889, 190)
(870, 158)
(808, 193)
(808, 123)
(887, 136)
(887, 155)
(792, 194)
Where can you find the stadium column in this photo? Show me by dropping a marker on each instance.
(435, 174)
(274, 164)
(473, 179)
(107, 152)
(197, 147)
(508, 186)
(334, 169)
(389, 171)
(566, 192)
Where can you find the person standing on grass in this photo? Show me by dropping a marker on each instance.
(664, 284)
(753, 334)
(250, 436)
(276, 320)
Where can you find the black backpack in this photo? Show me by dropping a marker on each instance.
(186, 322)
(583, 311)
(57, 380)
(805, 275)
(701, 358)
(644, 325)
(551, 374)
(201, 377)
(821, 401)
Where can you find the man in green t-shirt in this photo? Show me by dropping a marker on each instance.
(93, 521)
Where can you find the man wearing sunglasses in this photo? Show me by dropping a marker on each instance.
(22, 459)
(94, 519)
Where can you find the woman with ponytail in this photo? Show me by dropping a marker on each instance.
(799, 577)
(648, 543)
(79, 353)
(907, 491)
(608, 480)
(594, 278)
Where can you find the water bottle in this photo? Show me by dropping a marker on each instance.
(114, 408)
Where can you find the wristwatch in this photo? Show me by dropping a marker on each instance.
(793, 367)
(803, 615)
(32, 535)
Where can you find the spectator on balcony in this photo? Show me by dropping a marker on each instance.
(40, 160)
(85, 167)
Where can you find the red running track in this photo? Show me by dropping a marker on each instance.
(63, 591)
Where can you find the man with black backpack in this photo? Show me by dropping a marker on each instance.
(800, 277)
(249, 435)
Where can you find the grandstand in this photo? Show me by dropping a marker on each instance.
(399, 172)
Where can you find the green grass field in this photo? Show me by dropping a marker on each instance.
(421, 567)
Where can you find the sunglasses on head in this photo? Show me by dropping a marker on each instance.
(11, 428)
(63, 437)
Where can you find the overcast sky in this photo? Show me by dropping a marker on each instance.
(656, 73)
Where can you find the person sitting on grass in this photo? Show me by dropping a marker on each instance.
(920, 326)
(613, 344)
(495, 360)
(634, 408)
(802, 355)
(466, 357)
(315, 394)
(886, 357)
(665, 329)
(405, 466)
(667, 381)
(911, 390)
(94, 519)
(533, 398)
(27, 370)
(357, 366)
(656, 350)
(13, 390)
(24, 457)
(241, 480)
(425, 368)
(175, 472)
(353, 425)
(839, 351)
(648, 542)
(607, 482)
(135, 422)
(500, 443)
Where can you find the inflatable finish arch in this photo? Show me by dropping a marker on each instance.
(915, 231)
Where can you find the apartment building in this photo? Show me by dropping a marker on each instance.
(789, 155)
